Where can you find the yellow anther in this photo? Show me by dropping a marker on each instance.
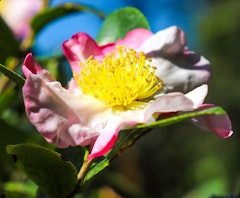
(120, 78)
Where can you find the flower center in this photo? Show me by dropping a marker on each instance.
(120, 78)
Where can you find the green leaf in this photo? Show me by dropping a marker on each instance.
(19, 80)
(179, 118)
(119, 23)
(7, 97)
(25, 189)
(54, 175)
(9, 46)
(52, 13)
(96, 168)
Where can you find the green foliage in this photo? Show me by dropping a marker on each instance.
(6, 99)
(96, 168)
(12, 75)
(119, 23)
(54, 175)
(17, 189)
(9, 46)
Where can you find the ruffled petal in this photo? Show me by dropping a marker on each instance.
(180, 69)
(218, 124)
(79, 48)
(62, 117)
(47, 112)
(52, 110)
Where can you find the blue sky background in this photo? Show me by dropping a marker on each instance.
(160, 14)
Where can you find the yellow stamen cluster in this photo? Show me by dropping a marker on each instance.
(120, 78)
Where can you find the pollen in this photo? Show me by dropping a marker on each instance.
(120, 78)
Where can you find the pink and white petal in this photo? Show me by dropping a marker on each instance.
(106, 139)
(133, 40)
(108, 136)
(30, 66)
(182, 72)
(91, 112)
(171, 102)
(53, 118)
(79, 48)
(198, 95)
(180, 69)
(168, 41)
(218, 124)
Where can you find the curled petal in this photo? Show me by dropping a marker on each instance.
(30, 66)
(168, 41)
(106, 139)
(172, 102)
(79, 48)
(218, 124)
(198, 95)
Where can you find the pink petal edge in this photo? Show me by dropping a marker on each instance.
(30, 65)
(218, 124)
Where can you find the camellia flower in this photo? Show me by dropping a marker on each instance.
(18, 15)
(116, 86)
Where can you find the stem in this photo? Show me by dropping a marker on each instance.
(84, 169)
(81, 174)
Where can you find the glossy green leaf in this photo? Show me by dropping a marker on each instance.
(119, 23)
(9, 46)
(52, 13)
(19, 80)
(96, 168)
(54, 175)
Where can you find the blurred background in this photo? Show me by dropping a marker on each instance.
(177, 161)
